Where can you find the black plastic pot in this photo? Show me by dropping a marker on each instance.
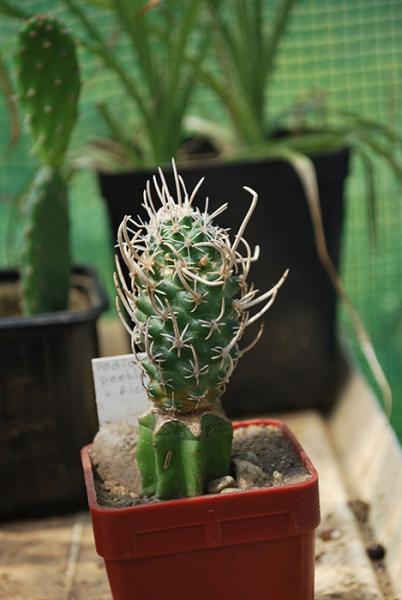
(297, 363)
(47, 405)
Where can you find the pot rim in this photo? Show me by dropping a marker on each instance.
(217, 163)
(86, 277)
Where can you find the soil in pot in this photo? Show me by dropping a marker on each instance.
(262, 456)
(11, 300)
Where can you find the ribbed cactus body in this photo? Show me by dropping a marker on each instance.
(49, 83)
(185, 323)
(45, 257)
(189, 302)
(179, 458)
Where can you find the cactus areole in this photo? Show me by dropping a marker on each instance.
(49, 83)
(190, 304)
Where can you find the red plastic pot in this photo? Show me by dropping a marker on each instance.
(251, 544)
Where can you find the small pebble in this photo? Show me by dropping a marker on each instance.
(230, 490)
(249, 475)
(218, 485)
(277, 478)
(376, 551)
(327, 535)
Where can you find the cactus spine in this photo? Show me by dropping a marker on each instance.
(48, 77)
(189, 302)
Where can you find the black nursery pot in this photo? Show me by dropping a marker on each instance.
(297, 363)
(47, 405)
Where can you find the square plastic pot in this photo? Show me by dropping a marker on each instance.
(47, 402)
(250, 544)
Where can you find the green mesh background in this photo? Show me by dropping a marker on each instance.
(348, 51)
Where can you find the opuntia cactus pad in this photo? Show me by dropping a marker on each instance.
(49, 84)
(190, 303)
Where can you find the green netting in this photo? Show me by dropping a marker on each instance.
(347, 51)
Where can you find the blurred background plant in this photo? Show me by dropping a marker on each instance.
(48, 84)
(338, 68)
(246, 52)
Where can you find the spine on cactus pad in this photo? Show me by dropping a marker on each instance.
(189, 302)
(45, 257)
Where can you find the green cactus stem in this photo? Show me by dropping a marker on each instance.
(49, 83)
(189, 301)
(179, 458)
(45, 258)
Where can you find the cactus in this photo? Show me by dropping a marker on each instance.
(49, 83)
(189, 302)
(45, 257)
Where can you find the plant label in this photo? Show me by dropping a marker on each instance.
(119, 390)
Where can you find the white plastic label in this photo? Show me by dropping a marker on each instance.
(120, 395)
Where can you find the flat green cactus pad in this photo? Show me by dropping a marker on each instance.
(49, 83)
